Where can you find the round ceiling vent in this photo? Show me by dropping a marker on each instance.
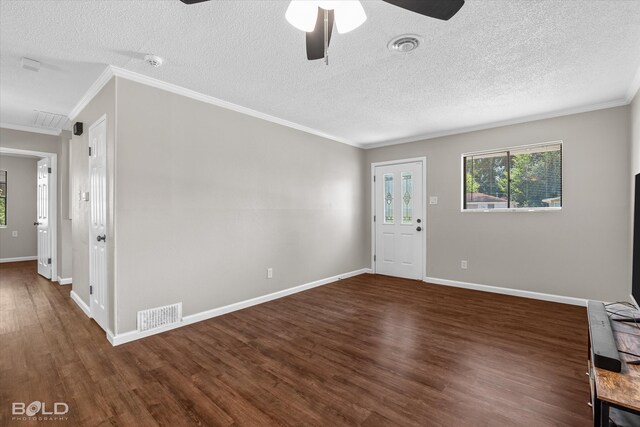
(404, 44)
(153, 60)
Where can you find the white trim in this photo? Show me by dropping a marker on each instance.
(633, 87)
(112, 219)
(19, 259)
(7, 150)
(33, 129)
(64, 281)
(53, 200)
(95, 88)
(53, 214)
(204, 315)
(515, 121)
(83, 306)
(112, 71)
(507, 291)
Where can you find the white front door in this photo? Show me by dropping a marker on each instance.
(399, 220)
(98, 224)
(42, 220)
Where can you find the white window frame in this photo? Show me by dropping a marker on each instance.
(462, 176)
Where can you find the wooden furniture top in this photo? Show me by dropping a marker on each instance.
(622, 388)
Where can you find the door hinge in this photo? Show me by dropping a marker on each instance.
(49, 170)
(374, 257)
(374, 218)
(48, 260)
(90, 290)
(89, 151)
(374, 178)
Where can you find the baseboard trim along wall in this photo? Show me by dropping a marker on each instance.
(19, 259)
(83, 306)
(64, 281)
(204, 315)
(508, 291)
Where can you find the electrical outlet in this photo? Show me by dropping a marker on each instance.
(14, 233)
(269, 273)
(463, 264)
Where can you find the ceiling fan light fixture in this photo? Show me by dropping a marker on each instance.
(302, 14)
(349, 14)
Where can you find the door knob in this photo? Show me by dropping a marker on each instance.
(36, 223)
(418, 220)
(103, 238)
(419, 229)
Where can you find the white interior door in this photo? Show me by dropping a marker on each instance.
(399, 220)
(98, 224)
(42, 220)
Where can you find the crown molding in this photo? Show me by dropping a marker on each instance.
(32, 129)
(112, 71)
(519, 120)
(179, 90)
(634, 86)
(95, 88)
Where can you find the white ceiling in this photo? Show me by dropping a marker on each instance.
(495, 61)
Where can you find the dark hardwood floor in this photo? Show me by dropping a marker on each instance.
(370, 350)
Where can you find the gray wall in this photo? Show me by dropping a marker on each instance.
(49, 144)
(103, 103)
(21, 207)
(581, 251)
(207, 199)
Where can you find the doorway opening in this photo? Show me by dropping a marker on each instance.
(45, 217)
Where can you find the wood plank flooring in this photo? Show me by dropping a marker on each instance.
(369, 350)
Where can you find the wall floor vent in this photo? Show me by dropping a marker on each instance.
(159, 316)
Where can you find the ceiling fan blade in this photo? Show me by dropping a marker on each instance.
(315, 38)
(192, 1)
(439, 9)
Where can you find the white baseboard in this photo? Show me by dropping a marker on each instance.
(208, 314)
(508, 291)
(83, 306)
(64, 281)
(18, 259)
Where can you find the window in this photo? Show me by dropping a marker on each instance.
(388, 198)
(407, 198)
(527, 178)
(3, 198)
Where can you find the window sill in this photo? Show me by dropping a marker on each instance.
(511, 210)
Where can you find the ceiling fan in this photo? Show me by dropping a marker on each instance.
(317, 17)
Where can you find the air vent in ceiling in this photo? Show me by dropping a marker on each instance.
(50, 120)
(404, 44)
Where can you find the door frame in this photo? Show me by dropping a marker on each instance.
(422, 160)
(102, 118)
(53, 199)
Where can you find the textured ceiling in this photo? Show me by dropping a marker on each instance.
(494, 61)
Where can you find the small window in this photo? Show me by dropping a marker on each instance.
(3, 198)
(388, 198)
(527, 178)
